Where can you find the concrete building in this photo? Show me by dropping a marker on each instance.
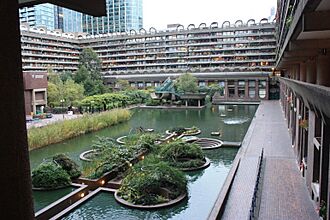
(303, 62)
(35, 91)
(238, 56)
(122, 16)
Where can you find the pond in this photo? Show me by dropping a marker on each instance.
(204, 185)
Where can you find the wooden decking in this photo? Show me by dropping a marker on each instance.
(284, 194)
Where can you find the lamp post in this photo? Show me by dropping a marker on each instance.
(62, 104)
(92, 107)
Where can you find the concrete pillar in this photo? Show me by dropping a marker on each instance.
(257, 90)
(226, 90)
(247, 89)
(296, 71)
(34, 107)
(236, 88)
(311, 71)
(16, 194)
(310, 151)
(323, 70)
(186, 103)
(302, 71)
(199, 103)
(324, 166)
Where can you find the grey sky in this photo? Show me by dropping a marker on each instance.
(159, 13)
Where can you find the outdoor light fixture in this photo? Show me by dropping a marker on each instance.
(130, 165)
(142, 157)
(102, 182)
(82, 195)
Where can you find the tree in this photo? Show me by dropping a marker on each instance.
(123, 84)
(89, 73)
(69, 91)
(187, 83)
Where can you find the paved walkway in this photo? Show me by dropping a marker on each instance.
(284, 193)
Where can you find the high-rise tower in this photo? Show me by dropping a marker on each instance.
(122, 15)
(52, 17)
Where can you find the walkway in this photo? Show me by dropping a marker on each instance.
(284, 193)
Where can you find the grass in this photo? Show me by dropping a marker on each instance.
(60, 131)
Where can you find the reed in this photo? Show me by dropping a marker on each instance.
(63, 130)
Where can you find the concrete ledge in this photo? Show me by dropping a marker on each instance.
(163, 205)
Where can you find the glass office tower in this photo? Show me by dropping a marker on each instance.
(52, 17)
(122, 15)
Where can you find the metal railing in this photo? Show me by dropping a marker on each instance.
(254, 209)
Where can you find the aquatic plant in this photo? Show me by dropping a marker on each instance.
(60, 131)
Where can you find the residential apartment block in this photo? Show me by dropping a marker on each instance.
(238, 56)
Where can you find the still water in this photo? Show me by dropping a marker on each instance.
(204, 186)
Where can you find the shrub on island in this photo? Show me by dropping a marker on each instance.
(49, 175)
(182, 155)
(68, 165)
(152, 182)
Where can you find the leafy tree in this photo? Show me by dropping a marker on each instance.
(89, 73)
(187, 83)
(123, 84)
(66, 75)
(70, 91)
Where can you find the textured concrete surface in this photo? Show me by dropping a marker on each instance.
(284, 193)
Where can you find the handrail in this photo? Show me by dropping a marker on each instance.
(256, 198)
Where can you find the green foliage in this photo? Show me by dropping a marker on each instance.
(152, 102)
(89, 73)
(49, 175)
(147, 181)
(109, 101)
(187, 83)
(182, 130)
(67, 90)
(182, 155)
(211, 89)
(57, 132)
(68, 165)
(123, 84)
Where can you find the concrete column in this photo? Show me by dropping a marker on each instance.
(296, 124)
(247, 89)
(323, 70)
(226, 90)
(16, 194)
(34, 107)
(324, 166)
(311, 71)
(257, 90)
(302, 71)
(310, 151)
(186, 103)
(199, 103)
(296, 71)
(236, 88)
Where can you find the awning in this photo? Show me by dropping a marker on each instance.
(91, 7)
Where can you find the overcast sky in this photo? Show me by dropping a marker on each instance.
(159, 13)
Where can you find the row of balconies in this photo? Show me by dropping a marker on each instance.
(29, 47)
(247, 44)
(182, 69)
(27, 54)
(125, 42)
(207, 49)
(26, 61)
(256, 62)
(222, 55)
(56, 44)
